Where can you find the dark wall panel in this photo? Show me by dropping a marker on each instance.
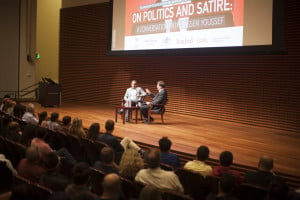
(263, 90)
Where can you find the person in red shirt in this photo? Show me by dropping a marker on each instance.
(226, 159)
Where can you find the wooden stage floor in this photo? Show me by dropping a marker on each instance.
(187, 133)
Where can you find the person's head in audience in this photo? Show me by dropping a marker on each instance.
(66, 120)
(111, 186)
(226, 158)
(33, 154)
(131, 162)
(30, 108)
(14, 127)
(165, 144)
(94, 131)
(109, 126)
(150, 192)
(19, 110)
(226, 184)
(202, 153)
(81, 173)
(266, 163)
(54, 117)
(29, 132)
(107, 155)
(133, 84)
(51, 162)
(153, 157)
(43, 147)
(42, 117)
(160, 85)
(76, 127)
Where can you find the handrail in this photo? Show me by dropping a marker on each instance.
(24, 89)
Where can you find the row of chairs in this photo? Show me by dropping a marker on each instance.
(131, 189)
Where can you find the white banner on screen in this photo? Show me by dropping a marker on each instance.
(219, 37)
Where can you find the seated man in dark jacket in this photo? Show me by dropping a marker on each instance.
(263, 176)
(107, 163)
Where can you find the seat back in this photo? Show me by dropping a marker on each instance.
(173, 195)
(96, 180)
(6, 178)
(13, 151)
(25, 189)
(250, 192)
(128, 188)
(194, 184)
(92, 150)
(73, 145)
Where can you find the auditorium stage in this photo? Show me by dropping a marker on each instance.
(246, 142)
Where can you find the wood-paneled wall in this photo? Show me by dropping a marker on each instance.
(262, 90)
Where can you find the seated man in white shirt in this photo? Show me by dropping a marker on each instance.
(29, 116)
(157, 177)
(132, 96)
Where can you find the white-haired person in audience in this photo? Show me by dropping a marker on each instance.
(31, 167)
(199, 165)
(53, 122)
(156, 176)
(30, 116)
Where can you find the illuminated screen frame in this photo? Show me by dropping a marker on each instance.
(277, 46)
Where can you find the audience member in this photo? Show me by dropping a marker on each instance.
(263, 176)
(5, 98)
(43, 118)
(8, 164)
(166, 156)
(155, 176)
(111, 140)
(52, 178)
(19, 110)
(150, 192)
(76, 128)
(42, 146)
(29, 132)
(111, 188)
(53, 122)
(107, 163)
(66, 123)
(81, 174)
(226, 188)
(114, 143)
(14, 132)
(199, 165)
(29, 115)
(131, 162)
(93, 132)
(10, 107)
(226, 159)
(30, 167)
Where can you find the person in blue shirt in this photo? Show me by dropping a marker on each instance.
(166, 156)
